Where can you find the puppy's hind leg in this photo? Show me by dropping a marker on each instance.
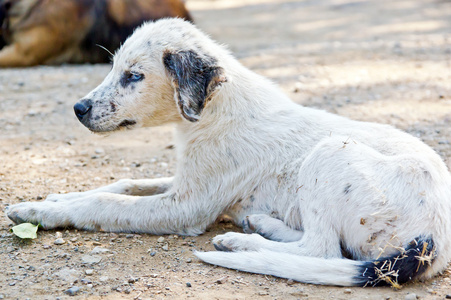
(132, 187)
(313, 243)
(271, 228)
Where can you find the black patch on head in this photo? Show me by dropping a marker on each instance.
(401, 268)
(194, 78)
(347, 189)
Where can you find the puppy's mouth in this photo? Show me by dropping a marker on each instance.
(127, 123)
(124, 125)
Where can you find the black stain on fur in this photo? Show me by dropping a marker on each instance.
(347, 189)
(230, 155)
(113, 106)
(195, 78)
(252, 198)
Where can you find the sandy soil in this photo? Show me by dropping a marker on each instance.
(384, 61)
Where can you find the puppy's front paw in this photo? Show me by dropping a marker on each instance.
(233, 241)
(45, 214)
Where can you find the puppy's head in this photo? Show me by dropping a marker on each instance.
(165, 72)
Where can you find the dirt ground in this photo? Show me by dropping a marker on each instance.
(383, 61)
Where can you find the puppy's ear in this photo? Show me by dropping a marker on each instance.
(195, 78)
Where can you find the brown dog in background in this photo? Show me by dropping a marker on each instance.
(37, 32)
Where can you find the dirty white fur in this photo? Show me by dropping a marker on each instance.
(329, 181)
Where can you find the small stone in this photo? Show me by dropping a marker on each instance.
(188, 284)
(411, 296)
(165, 247)
(59, 241)
(91, 259)
(96, 244)
(189, 260)
(46, 246)
(103, 278)
(133, 280)
(67, 274)
(98, 250)
(160, 240)
(73, 240)
(347, 291)
(129, 236)
(85, 281)
(222, 280)
(290, 281)
(73, 291)
(153, 253)
(448, 296)
(89, 272)
(431, 291)
(99, 151)
(58, 235)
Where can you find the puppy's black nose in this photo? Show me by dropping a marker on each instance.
(82, 107)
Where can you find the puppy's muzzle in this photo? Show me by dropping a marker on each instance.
(82, 108)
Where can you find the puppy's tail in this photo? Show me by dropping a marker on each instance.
(394, 270)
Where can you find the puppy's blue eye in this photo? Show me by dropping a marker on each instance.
(130, 77)
(133, 77)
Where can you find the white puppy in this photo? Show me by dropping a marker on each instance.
(331, 201)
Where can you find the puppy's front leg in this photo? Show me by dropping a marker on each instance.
(160, 214)
(133, 187)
